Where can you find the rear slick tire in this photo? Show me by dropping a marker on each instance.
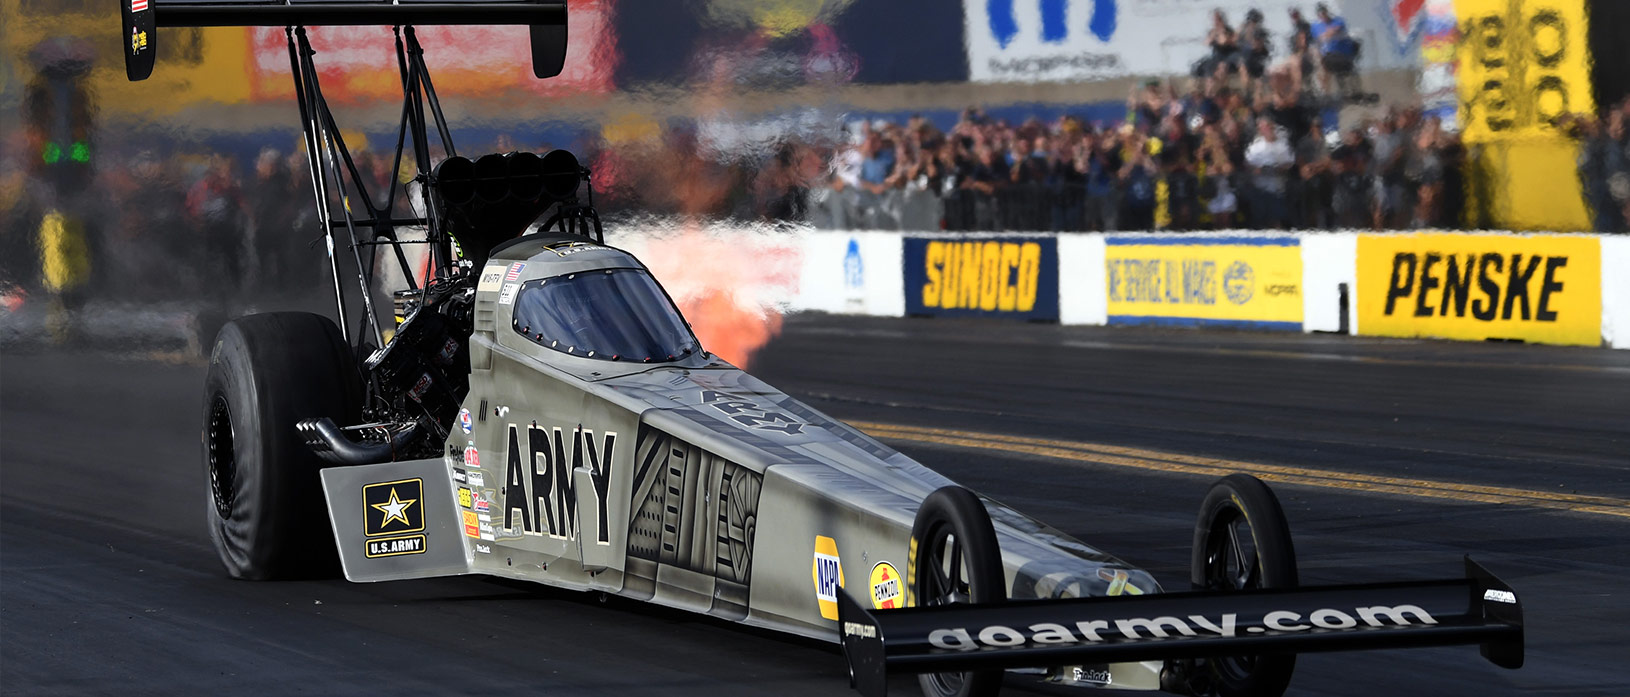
(955, 559)
(1241, 541)
(268, 518)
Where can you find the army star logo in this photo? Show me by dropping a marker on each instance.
(393, 507)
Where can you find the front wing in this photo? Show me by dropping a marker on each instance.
(1478, 609)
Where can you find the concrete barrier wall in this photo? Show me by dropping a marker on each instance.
(1540, 288)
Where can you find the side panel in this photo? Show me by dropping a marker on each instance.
(395, 521)
(548, 468)
(693, 518)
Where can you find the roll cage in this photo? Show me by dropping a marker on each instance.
(472, 203)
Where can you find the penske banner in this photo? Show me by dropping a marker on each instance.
(1246, 282)
(1541, 288)
(982, 277)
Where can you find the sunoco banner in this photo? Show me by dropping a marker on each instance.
(993, 277)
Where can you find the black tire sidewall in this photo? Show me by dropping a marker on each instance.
(273, 370)
(1270, 534)
(964, 514)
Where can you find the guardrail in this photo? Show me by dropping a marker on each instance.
(1569, 289)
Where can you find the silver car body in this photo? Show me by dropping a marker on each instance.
(686, 483)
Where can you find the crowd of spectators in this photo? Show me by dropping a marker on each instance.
(1246, 144)
(1251, 141)
(1214, 157)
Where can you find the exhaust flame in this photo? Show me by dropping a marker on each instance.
(731, 284)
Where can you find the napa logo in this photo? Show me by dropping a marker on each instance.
(1054, 15)
(827, 572)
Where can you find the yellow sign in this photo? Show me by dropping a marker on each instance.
(827, 572)
(1543, 288)
(888, 591)
(1232, 281)
(1523, 64)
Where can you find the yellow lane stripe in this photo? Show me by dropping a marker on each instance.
(1138, 458)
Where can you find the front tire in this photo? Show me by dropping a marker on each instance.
(1241, 540)
(267, 515)
(955, 559)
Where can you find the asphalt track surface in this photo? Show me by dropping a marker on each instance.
(108, 584)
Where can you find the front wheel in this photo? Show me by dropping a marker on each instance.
(955, 559)
(1241, 541)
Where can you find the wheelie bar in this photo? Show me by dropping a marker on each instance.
(1478, 609)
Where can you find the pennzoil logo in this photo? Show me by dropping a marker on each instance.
(393, 507)
(887, 591)
(827, 572)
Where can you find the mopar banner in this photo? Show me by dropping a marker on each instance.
(1247, 282)
(1544, 288)
(983, 277)
(1063, 40)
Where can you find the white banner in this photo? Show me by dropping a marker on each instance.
(1068, 40)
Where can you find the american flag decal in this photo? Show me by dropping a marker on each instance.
(514, 270)
(138, 5)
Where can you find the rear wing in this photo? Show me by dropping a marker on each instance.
(143, 17)
(1478, 609)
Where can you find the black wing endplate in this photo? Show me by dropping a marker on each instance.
(143, 17)
(1478, 609)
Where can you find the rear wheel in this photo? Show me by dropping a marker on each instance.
(267, 515)
(955, 559)
(1241, 541)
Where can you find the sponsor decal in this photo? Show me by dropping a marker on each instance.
(1009, 277)
(472, 457)
(138, 5)
(472, 526)
(827, 572)
(887, 590)
(483, 549)
(491, 278)
(1500, 596)
(539, 488)
(864, 631)
(449, 351)
(570, 248)
(1119, 582)
(138, 39)
(389, 508)
(1248, 282)
(395, 546)
(854, 267)
(1542, 288)
(515, 270)
(507, 296)
(459, 475)
(420, 387)
(483, 502)
(1092, 676)
(465, 423)
(1133, 629)
(479, 479)
(750, 414)
(465, 498)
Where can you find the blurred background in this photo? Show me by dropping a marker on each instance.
(128, 204)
